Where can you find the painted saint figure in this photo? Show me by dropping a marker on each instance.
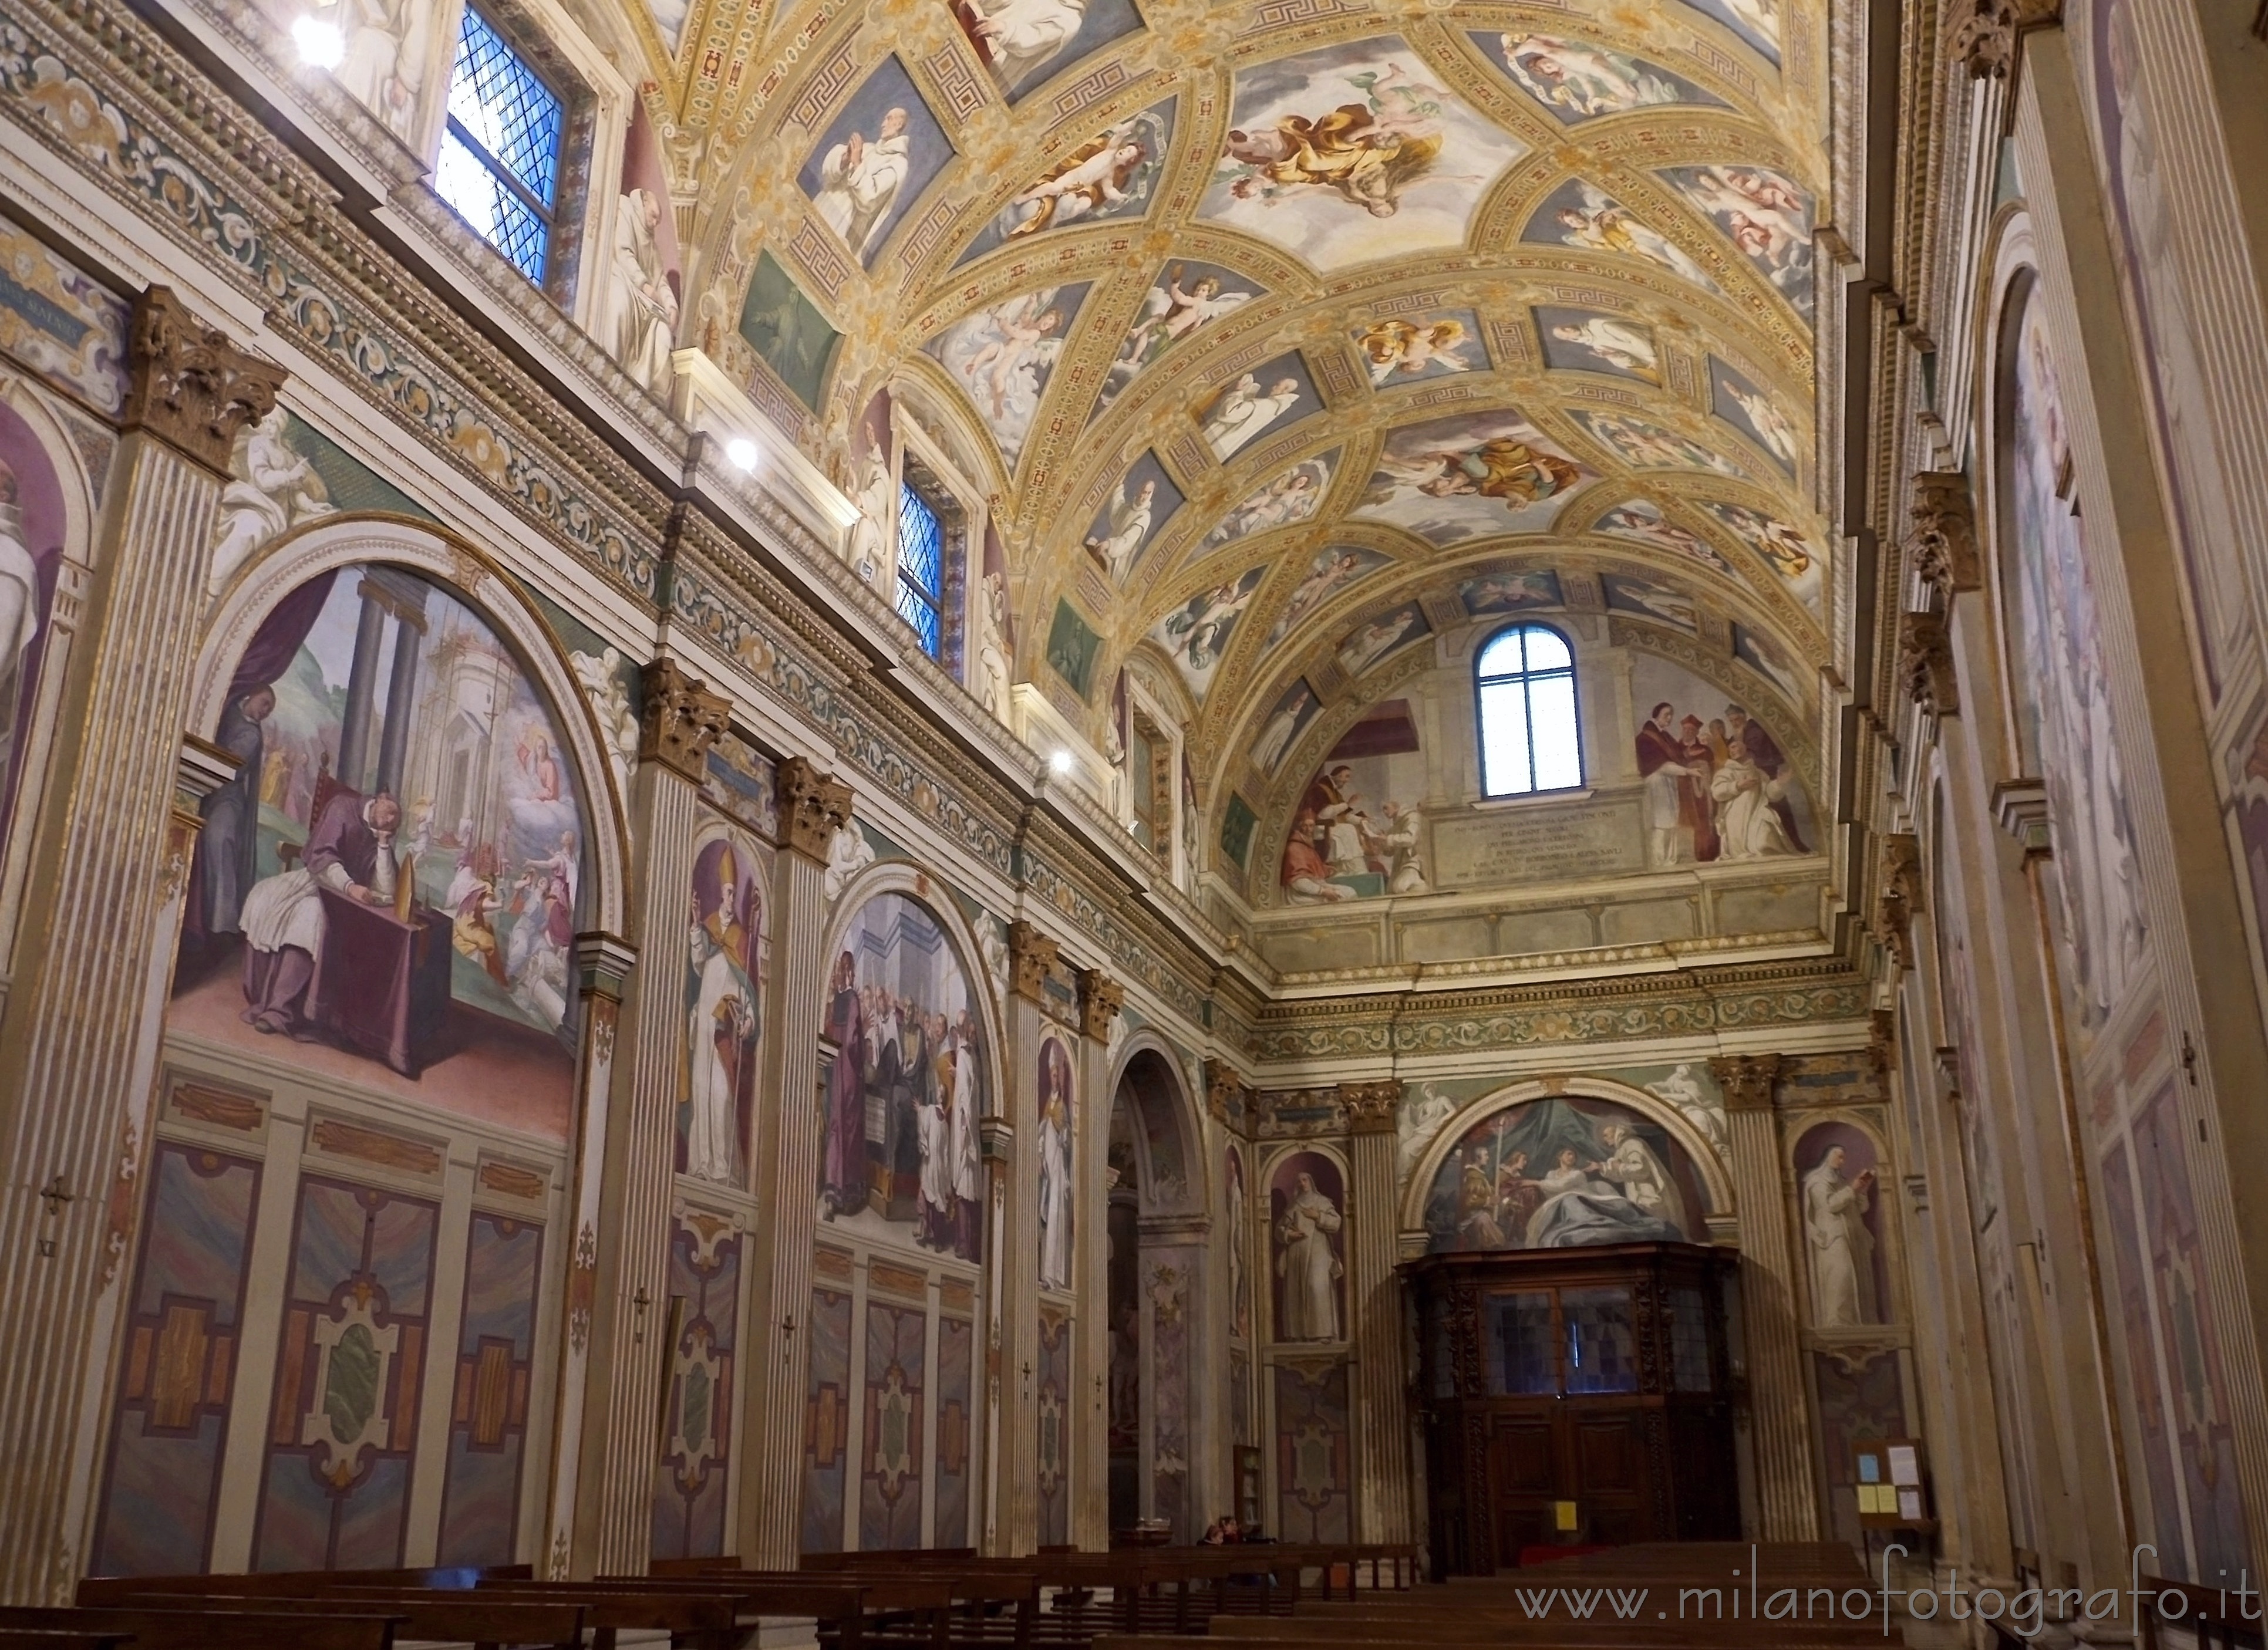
(350, 852)
(843, 1166)
(1306, 1264)
(721, 1037)
(859, 182)
(1842, 1248)
(1055, 1167)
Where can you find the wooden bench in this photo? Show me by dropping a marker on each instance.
(208, 1630)
(450, 1617)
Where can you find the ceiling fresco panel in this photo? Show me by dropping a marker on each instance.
(1112, 175)
(1135, 514)
(1284, 500)
(1353, 153)
(1577, 81)
(1023, 43)
(1002, 356)
(1182, 299)
(1469, 475)
(879, 152)
(1255, 401)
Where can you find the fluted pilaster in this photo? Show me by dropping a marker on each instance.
(1779, 1404)
(1086, 1406)
(776, 1366)
(637, 1170)
(1382, 1404)
(76, 1057)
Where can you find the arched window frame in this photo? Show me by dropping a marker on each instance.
(1525, 676)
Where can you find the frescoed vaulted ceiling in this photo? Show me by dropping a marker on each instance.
(1267, 325)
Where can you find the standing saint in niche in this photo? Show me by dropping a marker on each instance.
(1308, 1265)
(1842, 1247)
(1055, 1167)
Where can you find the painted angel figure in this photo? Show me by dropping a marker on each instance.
(1599, 224)
(1771, 426)
(1391, 347)
(1504, 468)
(1092, 177)
(1368, 153)
(1023, 337)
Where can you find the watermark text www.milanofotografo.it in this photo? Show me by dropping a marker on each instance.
(2023, 1611)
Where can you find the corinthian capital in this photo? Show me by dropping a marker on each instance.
(1747, 1080)
(812, 806)
(1945, 530)
(682, 719)
(1371, 1107)
(1985, 37)
(1925, 663)
(188, 385)
(1031, 960)
(1100, 999)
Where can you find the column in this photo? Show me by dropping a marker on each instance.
(1033, 959)
(1374, 1295)
(1780, 1400)
(603, 964)
(75, 1055)
(1086, 1406)
(775, 1358)
(362, 690)
(401, 686)
(637, 1170)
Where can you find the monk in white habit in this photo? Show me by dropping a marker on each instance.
(1308, 1268)
(1842, 1247)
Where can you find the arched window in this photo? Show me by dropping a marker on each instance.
(1525, 681)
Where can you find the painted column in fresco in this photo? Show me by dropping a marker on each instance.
(777, 1361)
(1032, 962)
(1779, 1412)
(1381, 1400)
(636, 1168)
(78, 1068)
(1087, 1415)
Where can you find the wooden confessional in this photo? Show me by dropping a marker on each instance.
(1574, 1396)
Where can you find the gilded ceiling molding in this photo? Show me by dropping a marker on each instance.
(1945, 532)
(682, 719)
(1925, 663)
(188, 385)
(812, 807)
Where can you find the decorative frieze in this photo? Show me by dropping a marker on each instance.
(1032, 958)
(1747, 1080)
(1100, 999)
(1945, 532)
(812, 807)
(1985, 37)
(189, 387)
(1926, 664)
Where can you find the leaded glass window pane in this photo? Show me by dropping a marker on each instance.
(921, 569)
(1689, 1341)
(499, 160)
(1601, 1347)
(1517, 1329)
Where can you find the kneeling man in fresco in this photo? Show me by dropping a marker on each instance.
(350, 851)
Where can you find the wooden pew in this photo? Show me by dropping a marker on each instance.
(208, 1630)
(451, 1617)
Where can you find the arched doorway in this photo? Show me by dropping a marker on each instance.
(1157, 1229)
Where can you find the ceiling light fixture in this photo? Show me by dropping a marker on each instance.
(321, 44)
(742, 452)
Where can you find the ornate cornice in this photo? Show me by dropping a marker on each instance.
(1031, 960)
(188, 385)
(1747, 1080)
(812, 806)
(2021, 807)
(1925, 663)
(682, 719)
(1945, 532)
(1898, 895)
(1100, 999)
(1371, 1108)
(1985, 37)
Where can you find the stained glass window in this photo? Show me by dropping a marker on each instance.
(1602, 1346)
(499, 164)
(1525, 681)
(921, 569)
(1519, 1341)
